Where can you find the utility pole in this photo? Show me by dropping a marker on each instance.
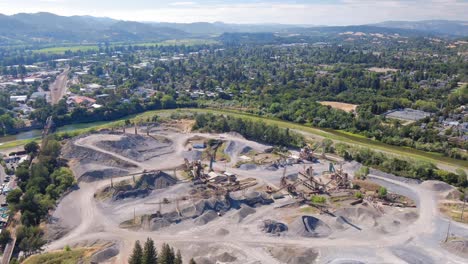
(448, 230)
(463, 209)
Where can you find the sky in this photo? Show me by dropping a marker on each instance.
(310, 12)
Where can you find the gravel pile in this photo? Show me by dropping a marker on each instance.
(248, 166)
(309, 226)
(243, 212)
(273, 227)
(137, 147)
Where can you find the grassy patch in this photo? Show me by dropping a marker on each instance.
(62, 50)
(17, 143)
(454, 210)
(80, 255)
(220, 155)
(309, 210)
(188, 42)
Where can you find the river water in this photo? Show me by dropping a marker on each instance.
(35, 133)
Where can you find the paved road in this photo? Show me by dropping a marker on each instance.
(2, 178)
(58, 89)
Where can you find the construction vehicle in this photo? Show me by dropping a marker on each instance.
(195, 169)
(307, 154)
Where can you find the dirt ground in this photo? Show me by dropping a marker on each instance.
(382, 70)
(246, 226)
(342, 106)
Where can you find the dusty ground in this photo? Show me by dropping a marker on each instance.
(366, 233)
(382, 70)
(342, 106)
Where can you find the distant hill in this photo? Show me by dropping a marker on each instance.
(47, 27)
(439, 27)
(50, 28)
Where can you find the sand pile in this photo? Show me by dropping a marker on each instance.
(458, 247)
(252, 199)
(437, 186)
(309, 226)
(366, 217)
(192, 155)
(345, 261)
(93, 165)
(222, 232)
(137, 147)
(248, 166)
(105, 254)
(272, 227)
(206, 217)
(242, 213)
(414, 255)
(356, 217)
(159, 223)
(225, 258)
(294, 255)
(97, 172)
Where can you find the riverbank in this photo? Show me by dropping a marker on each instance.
(336, 135)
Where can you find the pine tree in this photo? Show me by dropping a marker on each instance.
(171, 255)
(150, 255)
(178, 258)
(192, 261)
(137, 254)
(167, 255)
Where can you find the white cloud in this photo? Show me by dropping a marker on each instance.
(344, 12)
(182, 4)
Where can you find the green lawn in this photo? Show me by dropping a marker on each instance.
(64, 257)
(171, 42)
(62, 50)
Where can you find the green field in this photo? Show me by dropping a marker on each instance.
(336, 135)
(62, 50)
(84, 48)
(80, 255)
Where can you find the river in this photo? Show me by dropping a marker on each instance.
(36, 133)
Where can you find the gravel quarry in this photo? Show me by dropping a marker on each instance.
(245, 226)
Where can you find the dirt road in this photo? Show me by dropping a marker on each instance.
(58, 89)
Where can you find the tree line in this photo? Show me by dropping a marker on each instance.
(40, 183)
(148, 254)
(257, 131)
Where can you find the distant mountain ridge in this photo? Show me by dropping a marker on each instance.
(50, 28)
(444, 27)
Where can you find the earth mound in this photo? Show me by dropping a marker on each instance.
(294, 255)
(437, 186)
(137, 147)
(457, 246)
(222, 232)
(273, 227)
(243, 212)
(309, 226)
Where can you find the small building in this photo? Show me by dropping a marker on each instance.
(37, 95)
(19, 98)
(93, 86)
(81, 100)
(199, 145)
(216, 178)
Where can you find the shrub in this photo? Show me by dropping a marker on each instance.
(318, 199)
